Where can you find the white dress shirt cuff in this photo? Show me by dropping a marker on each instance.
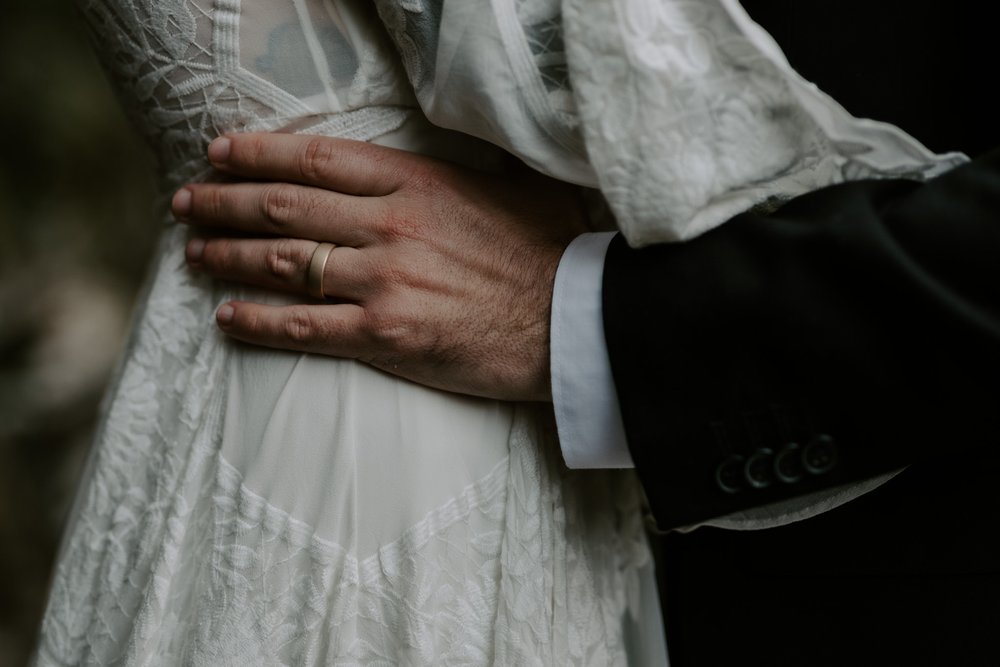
(588, 418)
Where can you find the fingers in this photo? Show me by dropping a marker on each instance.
(281, 209)
(280, 264)
(335, 330)
(349, 167)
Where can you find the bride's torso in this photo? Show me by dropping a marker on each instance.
(302, 431)
(244, 504)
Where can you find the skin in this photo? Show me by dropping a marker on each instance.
(440, 274)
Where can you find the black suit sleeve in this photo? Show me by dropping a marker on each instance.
(852, 332)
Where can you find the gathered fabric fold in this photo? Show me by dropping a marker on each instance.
(683, 114)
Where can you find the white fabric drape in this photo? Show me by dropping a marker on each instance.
(683, 113)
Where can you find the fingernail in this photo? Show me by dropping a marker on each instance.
(218, 150)
(224, 315)
(195, 249)
(181, 204)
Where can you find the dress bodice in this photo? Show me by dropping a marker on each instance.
(189, 70)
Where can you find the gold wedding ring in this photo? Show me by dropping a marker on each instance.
(317, 267)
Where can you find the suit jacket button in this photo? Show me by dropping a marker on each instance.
(788, 463)
(759, 469)
(729, 474)
(820, 455)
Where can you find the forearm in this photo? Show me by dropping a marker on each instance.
(863, 312)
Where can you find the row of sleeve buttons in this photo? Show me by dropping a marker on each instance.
(789, 465)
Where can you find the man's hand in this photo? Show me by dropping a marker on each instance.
(440, 274)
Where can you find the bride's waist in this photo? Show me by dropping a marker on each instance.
(182, 154)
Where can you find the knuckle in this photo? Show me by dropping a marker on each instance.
(388, 331)
(300, 328)
(394, 277)
(316, 154)
(282, 262)
(278, 204)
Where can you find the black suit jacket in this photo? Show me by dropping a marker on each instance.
(853, 332)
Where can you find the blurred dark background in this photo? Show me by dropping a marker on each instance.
(76, 230)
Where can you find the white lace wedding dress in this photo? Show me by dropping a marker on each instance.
(244, 506)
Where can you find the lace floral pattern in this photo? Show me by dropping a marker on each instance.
(173, 560)
(683, 113)
(543, 31)
(689, 120)
(177, 70)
